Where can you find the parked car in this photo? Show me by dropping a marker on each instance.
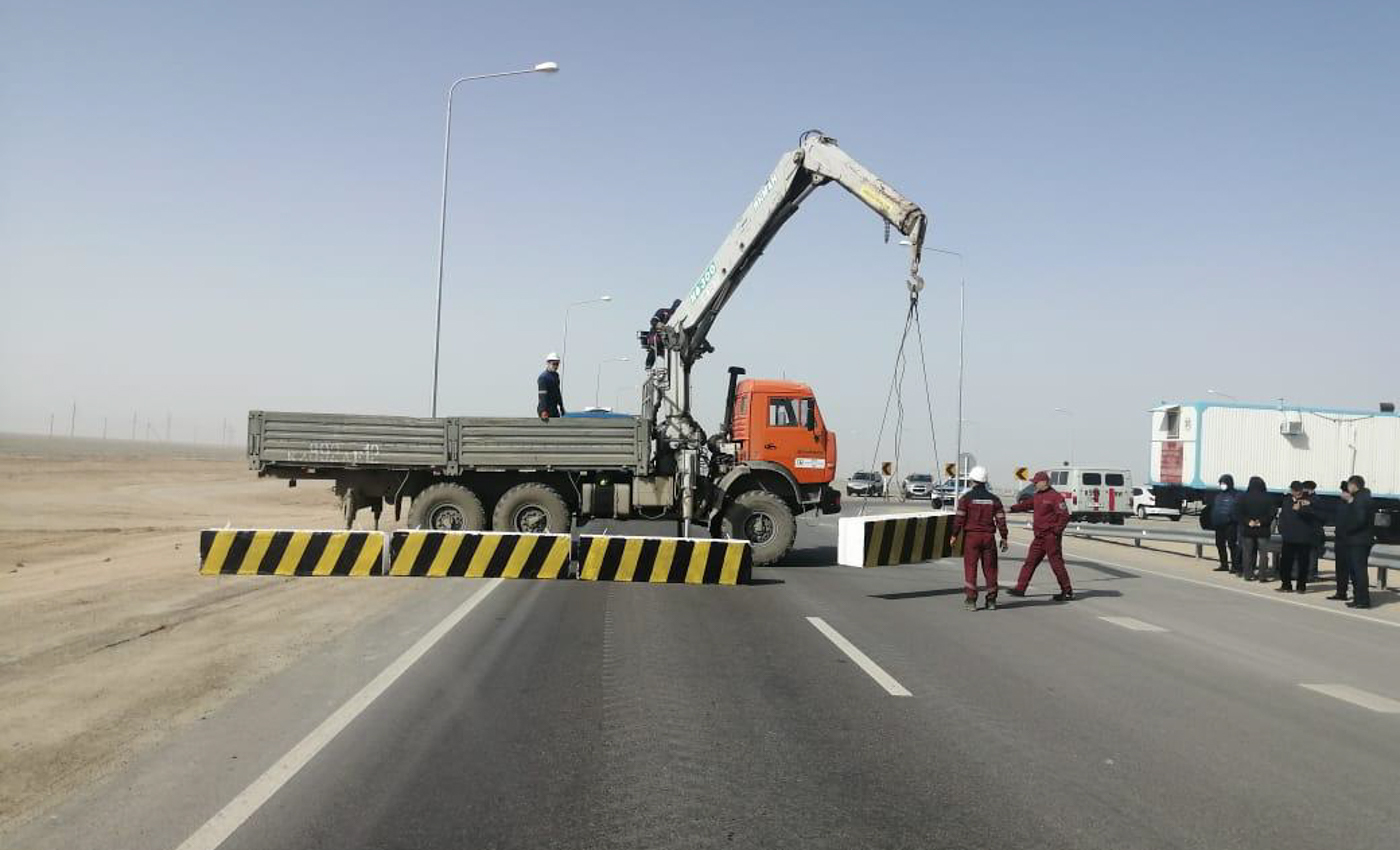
(865, 484)
(1145, 505)
(917, 485)
(946, 494)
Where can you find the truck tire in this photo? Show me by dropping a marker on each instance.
(531, 508)
(447, 507)
(765, 521)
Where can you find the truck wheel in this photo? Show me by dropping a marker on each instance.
(533, 509)
(447, 507)
(765, 521)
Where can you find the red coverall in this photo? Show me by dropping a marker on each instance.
(980, 517)
(1047, 524)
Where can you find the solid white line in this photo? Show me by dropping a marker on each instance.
(1272, 597)
(1356, 696)
(218, 828)
(1132, 623)
(885, 680)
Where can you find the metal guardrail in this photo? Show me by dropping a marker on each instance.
(1383, 558)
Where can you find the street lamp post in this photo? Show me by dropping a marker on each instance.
(541, 68)
(564, 346)
(598, 381)
(1070, 414)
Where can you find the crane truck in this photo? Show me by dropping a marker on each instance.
(771, 459)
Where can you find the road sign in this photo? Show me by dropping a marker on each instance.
(1023, 474)
(887, 468)
(950, 469)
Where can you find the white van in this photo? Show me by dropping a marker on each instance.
(1095, 493)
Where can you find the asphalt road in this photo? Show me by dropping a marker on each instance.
(565, 714)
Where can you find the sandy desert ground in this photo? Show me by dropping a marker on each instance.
(109, 637)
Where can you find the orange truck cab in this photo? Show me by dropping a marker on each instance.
(774, 439)
(779, 422)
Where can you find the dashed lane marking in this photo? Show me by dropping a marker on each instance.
(873, 670)
(1356, 696)
(1133, 623)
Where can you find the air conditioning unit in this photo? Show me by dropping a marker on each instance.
(1291, 425)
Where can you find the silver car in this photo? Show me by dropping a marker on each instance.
(917, 485)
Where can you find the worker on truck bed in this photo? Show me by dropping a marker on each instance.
(1048, 525)
(979, 518)
(551, 403)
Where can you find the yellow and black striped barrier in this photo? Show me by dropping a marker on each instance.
(249, 552)
(478, 554)
(886, 540)
(664, 560)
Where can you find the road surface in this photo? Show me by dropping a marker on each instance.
(821, 707)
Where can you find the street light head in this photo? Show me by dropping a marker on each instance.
(547, 67)
(605, 298)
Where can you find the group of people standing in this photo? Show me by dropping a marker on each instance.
(980, 517)
(1244, 528)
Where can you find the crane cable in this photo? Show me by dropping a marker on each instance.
(911, 319)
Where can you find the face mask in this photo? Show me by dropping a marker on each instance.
(1224, 486)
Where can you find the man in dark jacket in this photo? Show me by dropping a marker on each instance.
(1320, 517)
(551, 403)
(1297, 527)
(1354, 538)
(1222, 520)
(1255, 513)
(1049, 518)
(979, 519)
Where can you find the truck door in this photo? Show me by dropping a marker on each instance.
(794, 437)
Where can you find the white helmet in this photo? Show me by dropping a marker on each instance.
(551, 356)
(978, 474)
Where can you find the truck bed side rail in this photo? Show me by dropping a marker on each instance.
(338, 440)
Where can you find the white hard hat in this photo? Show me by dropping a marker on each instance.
(551, 356)
(978, 474)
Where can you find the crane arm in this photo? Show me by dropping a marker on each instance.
(817, 161)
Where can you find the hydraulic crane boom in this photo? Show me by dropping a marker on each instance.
(817, 161)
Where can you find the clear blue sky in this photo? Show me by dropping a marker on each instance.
(206, 208)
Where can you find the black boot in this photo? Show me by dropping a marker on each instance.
(1064, 596)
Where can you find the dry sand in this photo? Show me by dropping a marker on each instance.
(109, 637)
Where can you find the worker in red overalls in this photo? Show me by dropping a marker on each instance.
(1048, 525)
(980, 517)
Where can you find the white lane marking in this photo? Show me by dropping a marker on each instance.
(1132, 623)
(1356, 696)
(873, 670)
(218, 828)
(1272, 597)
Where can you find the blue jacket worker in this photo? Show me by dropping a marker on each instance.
(551, 398)
(1221, 513)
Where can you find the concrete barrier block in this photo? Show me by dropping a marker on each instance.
(664, 560)
(263, 552)
(878, 541)
(478, 554)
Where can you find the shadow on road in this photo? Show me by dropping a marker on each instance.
(757, 581)
(817, 556)
(1006, 601)
(918, 594)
